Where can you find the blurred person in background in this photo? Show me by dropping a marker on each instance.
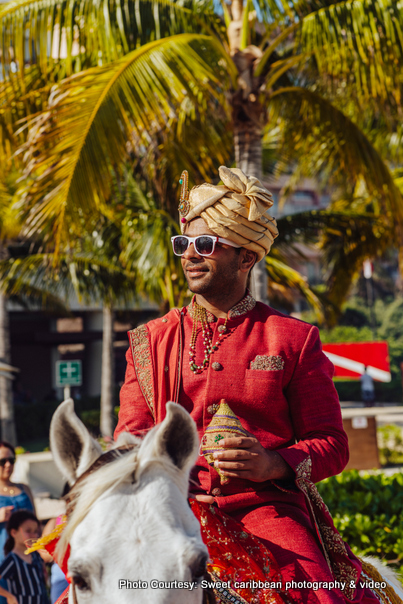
(13, 496)
(367, 388)
(23, 574)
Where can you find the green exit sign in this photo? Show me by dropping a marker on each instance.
(68, 373)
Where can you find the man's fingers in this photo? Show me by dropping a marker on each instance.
(242, 442)
(226, 465)
(231, 454)
(245, 474)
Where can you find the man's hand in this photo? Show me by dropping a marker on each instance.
(246, 458)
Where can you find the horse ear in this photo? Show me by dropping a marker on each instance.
(177, 437)
(73, 448)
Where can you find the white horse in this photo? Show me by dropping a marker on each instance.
(132, 534)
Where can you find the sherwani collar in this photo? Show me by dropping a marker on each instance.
(242, 307)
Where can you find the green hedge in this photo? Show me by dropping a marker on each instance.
(367, 510)
(33, 420)
(350, 390)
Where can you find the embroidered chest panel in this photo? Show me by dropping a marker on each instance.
(141, 351)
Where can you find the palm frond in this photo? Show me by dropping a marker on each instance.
(287, 279)
(34, 278)
(10, 225)
(306, 227)
(60, 38)
(320, 134)
(344, 252)
(272, 47)
(360, 41)
(147, 249)
(277, 10)
(344, 240)
(96, 118)
(279, 68)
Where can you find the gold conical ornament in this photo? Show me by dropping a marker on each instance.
(224, 424)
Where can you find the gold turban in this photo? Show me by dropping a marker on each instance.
(235, 210)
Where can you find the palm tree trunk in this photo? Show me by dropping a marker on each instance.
(107, 378)
(248, 157)
(6, 396)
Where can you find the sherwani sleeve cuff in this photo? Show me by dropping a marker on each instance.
(293, 457)
(300, 463)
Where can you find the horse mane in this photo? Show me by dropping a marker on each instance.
(127, 468)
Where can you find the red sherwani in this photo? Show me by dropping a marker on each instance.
(274, 376)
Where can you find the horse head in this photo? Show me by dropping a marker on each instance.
(132, 534)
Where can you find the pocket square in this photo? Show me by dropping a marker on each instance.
(267, 363)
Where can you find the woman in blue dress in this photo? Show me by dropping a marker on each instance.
(13, 497)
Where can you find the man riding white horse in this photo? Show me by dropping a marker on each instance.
(273, 375)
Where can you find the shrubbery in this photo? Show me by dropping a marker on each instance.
(390, 442)
(367, 510)
(33, 420)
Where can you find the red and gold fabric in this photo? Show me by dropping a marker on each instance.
(272, 372)
(242, 567)
(238, 560)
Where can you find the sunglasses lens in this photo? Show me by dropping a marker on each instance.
(181, 244)
(5, 460)
(204, 245)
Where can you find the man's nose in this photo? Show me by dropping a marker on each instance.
(191, 252)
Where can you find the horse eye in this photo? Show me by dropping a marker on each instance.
(199, 567)
(80, 583)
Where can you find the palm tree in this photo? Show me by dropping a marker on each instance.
(297, 76)
(21, 292)
(89, 274)
(8, 229)
(138, 236)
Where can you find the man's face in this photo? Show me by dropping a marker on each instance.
(213, 275)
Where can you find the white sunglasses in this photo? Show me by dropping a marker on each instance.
(204, 244)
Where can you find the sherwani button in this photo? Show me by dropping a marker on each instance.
(216, 366)
(221, 328)
(216, 492)
(165, 320)
(212, 408)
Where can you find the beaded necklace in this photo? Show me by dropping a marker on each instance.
(200, 313)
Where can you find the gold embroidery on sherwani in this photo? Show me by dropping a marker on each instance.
(245, 305)
(304, 469)
(141, 351)
(330, 539)
(267, 363)
(347, 574)
(241, 308)
(333, 540)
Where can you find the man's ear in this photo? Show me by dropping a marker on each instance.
(248, 259)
